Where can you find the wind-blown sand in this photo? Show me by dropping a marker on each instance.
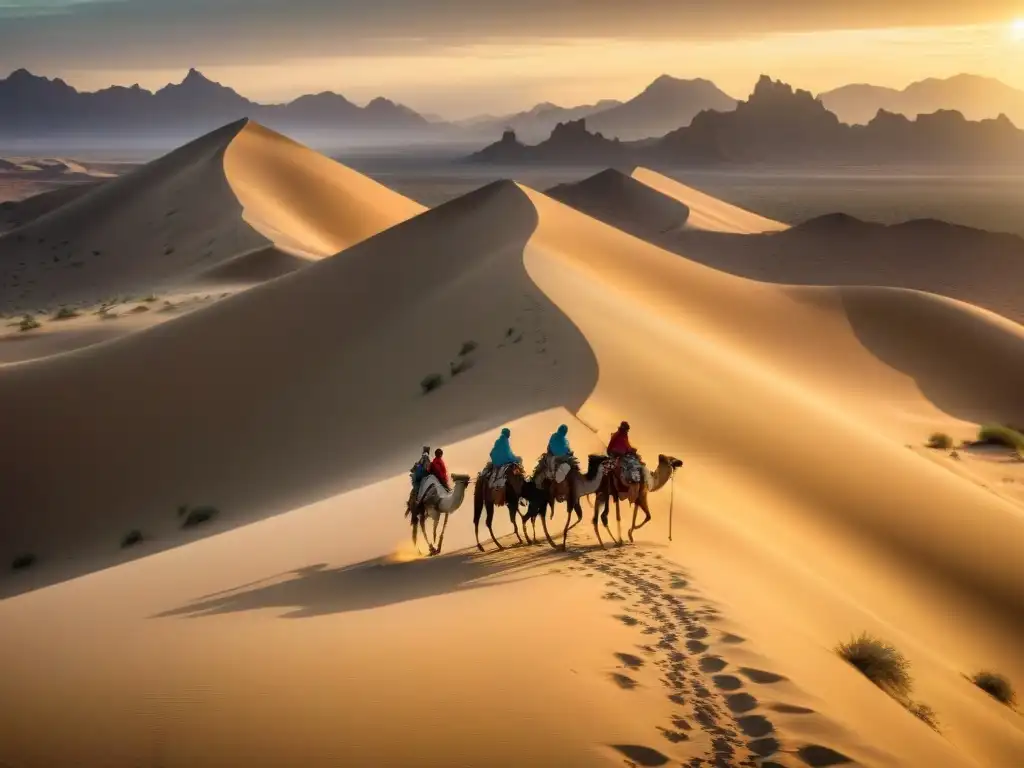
(317, 637)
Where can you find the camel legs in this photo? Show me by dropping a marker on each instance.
(490, 523)
(423, 526)
(478, 506)
(513, 513)
(641, 503)
(443, 528)
(597, 510)
(436, 520)
(618, 520)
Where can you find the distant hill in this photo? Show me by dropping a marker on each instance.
(534, 124)
(33, 107)
(664, 105)
(780, 125)
(975, 97)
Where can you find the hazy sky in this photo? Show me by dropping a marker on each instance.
(462, 57)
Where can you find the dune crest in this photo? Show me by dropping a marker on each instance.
(166, 224)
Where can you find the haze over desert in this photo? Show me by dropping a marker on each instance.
(220, 364)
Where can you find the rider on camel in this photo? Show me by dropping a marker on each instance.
(501, 453)
(558, 444)
(619, 445)
(419, 471)
(439, 470)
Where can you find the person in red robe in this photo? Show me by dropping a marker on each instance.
(619, 444)
(439, 470)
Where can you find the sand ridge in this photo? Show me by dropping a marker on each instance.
(800, 516)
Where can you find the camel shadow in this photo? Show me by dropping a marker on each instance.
(318, 590)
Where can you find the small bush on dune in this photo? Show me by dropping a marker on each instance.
(21, 562)
(997, 434)
(924, 713)
(940, 441)
(198, 516)
(431, 382)
(879, 662)
(461, 366)
(467, 347)
(28, 323)
(150, 299)
(131, 539)
(65, 313)
(997, 686)
(139, 309)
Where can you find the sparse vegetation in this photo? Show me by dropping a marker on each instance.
(462, 365)
(28, 323)
(22, 562)
(879, 662)
(198, 516)
(924, 713)
(152, 298)
(997, 434)
(997, 686)
(139, 309)
(106, 314)
(131, 539)
(431, 382)
(889, 669)
(467, 347)
(65, 313)
(940, 441)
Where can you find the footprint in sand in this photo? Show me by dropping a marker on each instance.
(790, 709)
(696, 646)
(675, 737)
(755, 725)
(727, 682)
(612, 596)
(741, 702)
(629, 660)
(624, 682)
(761, 677)
(818, 756)
(712, 664)
(697, 633)
(629, 621)
(732, 639)
(641, 755)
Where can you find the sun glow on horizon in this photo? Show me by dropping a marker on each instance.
(1017, 29)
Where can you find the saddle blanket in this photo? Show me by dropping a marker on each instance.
(495, 475)
(632, 470)
(557, 468)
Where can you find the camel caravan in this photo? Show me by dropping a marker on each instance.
(618, 475)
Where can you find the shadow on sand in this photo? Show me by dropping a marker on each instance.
(318, 590)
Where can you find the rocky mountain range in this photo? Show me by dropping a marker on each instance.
(778, 124)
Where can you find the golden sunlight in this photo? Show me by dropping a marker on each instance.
(1017, 29)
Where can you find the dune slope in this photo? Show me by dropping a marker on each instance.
(801, 517)
(169, 222)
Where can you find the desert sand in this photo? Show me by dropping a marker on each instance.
(300, 627)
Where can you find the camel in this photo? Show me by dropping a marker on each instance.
(434, 500)
(613, 487)
(508, 495)
(571, 489)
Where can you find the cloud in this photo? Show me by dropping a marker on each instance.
(61, 34)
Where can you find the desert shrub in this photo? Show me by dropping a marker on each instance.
(150, 299)
(997, 686)
(139, 309)
(997, 434)
(879, 662)
(131, 539)
(467, 347)
(431, 382)
(198, 516)
(106, 314)
(65, 313)
(462, 365)
(924, 713)
(21, 562)
(28, 323)
(940, 441)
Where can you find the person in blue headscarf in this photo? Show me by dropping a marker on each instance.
(558, 445)
(501, 453)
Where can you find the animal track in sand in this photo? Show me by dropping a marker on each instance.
(640, 755)
(761, 677)
(704, 701)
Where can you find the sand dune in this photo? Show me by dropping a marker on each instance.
(800, 518)
(179, 217)
(707, 213)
